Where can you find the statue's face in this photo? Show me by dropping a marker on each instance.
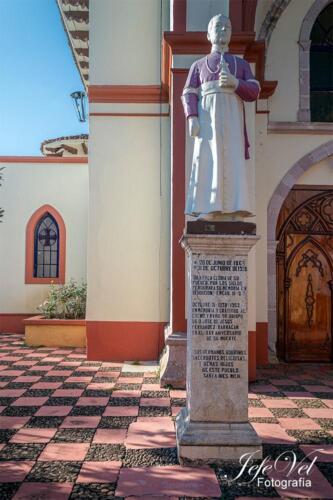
(220, 31)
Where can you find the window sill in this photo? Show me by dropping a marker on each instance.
(320, 128)
(44, 281)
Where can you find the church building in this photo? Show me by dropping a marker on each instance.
(115, 203)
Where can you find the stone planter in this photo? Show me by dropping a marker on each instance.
(55, 332)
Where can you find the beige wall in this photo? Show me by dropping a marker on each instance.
(26, 188)
(128, 252)
(125, 40)
(129, 227)
(282, 61)
(275, 155)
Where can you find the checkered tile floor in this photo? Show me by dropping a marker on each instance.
(70, 428)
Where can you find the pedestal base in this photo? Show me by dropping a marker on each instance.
(173, 361)
(201, 443)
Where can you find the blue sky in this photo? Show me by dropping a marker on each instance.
(38, 74)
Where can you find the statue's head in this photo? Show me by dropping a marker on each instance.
(219, 30)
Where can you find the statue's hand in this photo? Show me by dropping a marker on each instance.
(228, 80)
(193, 126)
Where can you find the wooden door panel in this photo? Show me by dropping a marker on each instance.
(308, 303)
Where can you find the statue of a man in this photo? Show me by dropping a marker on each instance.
(213, 99)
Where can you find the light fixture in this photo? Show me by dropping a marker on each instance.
(79, 101)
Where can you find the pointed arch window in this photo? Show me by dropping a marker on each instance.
(45, 247)
(321, 67)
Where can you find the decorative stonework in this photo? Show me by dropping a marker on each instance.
(304, 43)
(321, 153)
(271, 19)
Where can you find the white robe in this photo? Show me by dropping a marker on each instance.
(219, 178)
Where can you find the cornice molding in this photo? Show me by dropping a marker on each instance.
(150, 94)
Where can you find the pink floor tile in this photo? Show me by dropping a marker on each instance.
(14, 472)
(11, 393)
(283, 381)
(64, 451)
(13, 422)
(318, 388)
(25, 363)
(43, 368)
(130, 380)
(69, 363)
(279, 403)
(62, 351)
(50, 359)
(298, 394)
(126, 394)
(324, 455)
(80, 422)
(320, 487)
(78, 356)
(78, 380)
(121, 411)
(299, 424)
(328, 402)
(3, 384)
(255, 412)
(175, 410)
(12, 373)
(44, 491)
(33, 435)
(251, 395)
(11, 358)
(319, 412)
(35, 401)
(58, 373)
(92, 401)
(151, 434)
(168, 480)
(155, 402)
(107, 374)
(3, 367)
(154, 387)
(178, 393)
(26, 378)
(109, 436)
(67, 393)
(272, 433)
(2, 408)
(53, 411)
(263, 388)
(87, 369)
(100, 386)
(99, 472)
(47, 385)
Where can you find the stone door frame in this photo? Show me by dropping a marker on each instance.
(322, 152)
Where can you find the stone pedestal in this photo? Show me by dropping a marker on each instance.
(214, 426)
(173, 361)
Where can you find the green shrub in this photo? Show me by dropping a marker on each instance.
(65, 301)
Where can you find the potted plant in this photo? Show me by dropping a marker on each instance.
(62, 319)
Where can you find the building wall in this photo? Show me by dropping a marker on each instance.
(284, 103)
(128, 247)
(276, 153)
(26, 187)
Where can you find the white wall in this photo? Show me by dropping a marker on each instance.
(26, 188)
(319, 174)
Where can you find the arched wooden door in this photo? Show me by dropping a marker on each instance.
(305, 276)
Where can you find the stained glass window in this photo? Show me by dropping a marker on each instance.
(321, 67)
(46, 248)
